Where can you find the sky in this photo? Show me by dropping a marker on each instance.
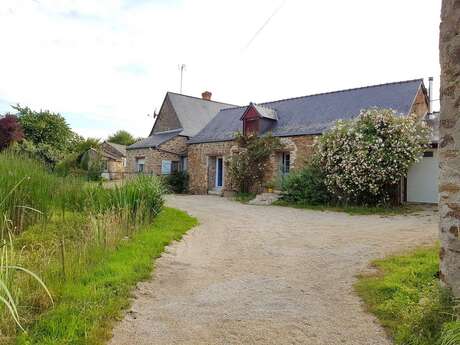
(106, 65)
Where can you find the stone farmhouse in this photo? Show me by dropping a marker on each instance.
(113, 159)
(180, 118)
(198, 135)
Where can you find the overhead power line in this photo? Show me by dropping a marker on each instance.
(275, 12)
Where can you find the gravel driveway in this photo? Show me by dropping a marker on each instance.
(266, 275)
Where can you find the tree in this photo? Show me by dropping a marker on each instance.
(45, 127)
(122, 137)
(249, 165)
(10, 131)
(365, 158)
(449, 155)
(86, 144)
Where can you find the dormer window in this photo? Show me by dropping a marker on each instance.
(258, 119)
(251, 126)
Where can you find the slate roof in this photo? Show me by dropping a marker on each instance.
(315, 113)
(266, 112)
(120, 148)
(194, 113)
(155, 140)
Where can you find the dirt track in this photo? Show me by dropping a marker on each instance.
(266, 275)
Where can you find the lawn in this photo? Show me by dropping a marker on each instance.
(354, 210)
(406, 297)
(88, 305)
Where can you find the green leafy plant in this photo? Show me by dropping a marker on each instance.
(122, 137)
(44, 127)
(364, 159)
(248, 166)
(306, 186)
(9, 268)
(270, 184)
(178, 181)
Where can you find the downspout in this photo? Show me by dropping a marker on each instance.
(430, 94)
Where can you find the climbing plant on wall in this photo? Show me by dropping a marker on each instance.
(249, 164)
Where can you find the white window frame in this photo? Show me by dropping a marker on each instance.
(285, 163)
(140, 162)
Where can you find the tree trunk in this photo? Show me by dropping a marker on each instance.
(449, 145)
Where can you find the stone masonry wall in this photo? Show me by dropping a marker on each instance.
(200, 161)
(420, 105)
(115, 169)
(449, 145)
(170, 150)
(167, 118)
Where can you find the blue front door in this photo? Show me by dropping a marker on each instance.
(219, 172)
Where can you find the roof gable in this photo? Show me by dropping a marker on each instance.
(263, 112)
(194, 113)
(191, 114)
(314, 114)
(167, 118)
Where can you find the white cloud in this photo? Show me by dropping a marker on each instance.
(112, 61)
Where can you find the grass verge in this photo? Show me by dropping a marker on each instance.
(406, 297)
(354, 210)
(87, 306)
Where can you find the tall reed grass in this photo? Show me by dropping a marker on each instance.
(61, 226)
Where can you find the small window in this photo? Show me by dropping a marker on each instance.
(251, 126)
(165, 167)
(285, 163)
(183, 163)
(140, 165)
(428, 154)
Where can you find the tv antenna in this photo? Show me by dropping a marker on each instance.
(182, 69)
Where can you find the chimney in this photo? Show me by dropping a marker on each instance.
(206, 95)
(430, 93)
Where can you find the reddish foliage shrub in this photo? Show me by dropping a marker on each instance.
(10, 131)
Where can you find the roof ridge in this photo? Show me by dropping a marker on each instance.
(169, 131)
(264, 106)
(345, 90)
(181, 94)
(267, 104)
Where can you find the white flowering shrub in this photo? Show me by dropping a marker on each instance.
(364, 159)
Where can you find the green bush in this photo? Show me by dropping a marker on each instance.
(305, 186)
(178, 182)
(70, 166)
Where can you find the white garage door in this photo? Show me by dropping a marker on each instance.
(422, 180)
